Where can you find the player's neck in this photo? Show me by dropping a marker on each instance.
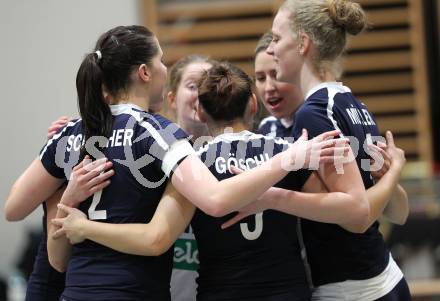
(140, 104)
(287, 121)
(235, 126)
(310, 79)
(193, 128)
(134, 96)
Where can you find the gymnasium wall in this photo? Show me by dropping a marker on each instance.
(42, 45)
(385, 67)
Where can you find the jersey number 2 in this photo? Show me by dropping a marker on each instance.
(253, 235)
(96, 214)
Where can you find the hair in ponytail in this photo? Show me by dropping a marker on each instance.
(117, 53)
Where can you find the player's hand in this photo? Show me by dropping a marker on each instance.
(252, 208)
(396, 154)
(379, 158)
(56, 126)
(87, 178)
(71, 225)
(321, 149)
(387, 154)
(259, 205)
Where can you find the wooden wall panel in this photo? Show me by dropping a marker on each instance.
(383, 66)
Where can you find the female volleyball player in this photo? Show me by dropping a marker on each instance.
(182, 93)
(254, 260)
(182, 100)
(309, 38)
(45, 283)
(280, 99)
(126, 65)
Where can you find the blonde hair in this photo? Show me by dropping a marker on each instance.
(327, 22)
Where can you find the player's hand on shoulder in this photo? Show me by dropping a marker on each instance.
(56, 126)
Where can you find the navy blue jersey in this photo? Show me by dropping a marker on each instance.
(257, 258)
(274, 127)
(144, 150)
(45, 283)
(335, 254)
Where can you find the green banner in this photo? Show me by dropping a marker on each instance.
(186, 254)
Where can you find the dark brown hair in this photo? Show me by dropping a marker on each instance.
(224, 92)
(117, 53)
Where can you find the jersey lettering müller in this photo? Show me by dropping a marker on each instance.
(144, 150)
(257, 258)
(335, 254)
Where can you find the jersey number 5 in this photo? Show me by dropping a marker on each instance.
(253, 235)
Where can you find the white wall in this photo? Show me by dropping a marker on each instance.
(41, 46)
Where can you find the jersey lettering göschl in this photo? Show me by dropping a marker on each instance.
(335, 254)
(257, 258)
(142, 156)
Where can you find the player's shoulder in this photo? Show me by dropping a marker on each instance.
(267, 121)
(73, 127)
(325, 92)
(228, 140)
(154, 123)
(135, 116)
(308, 109)
(271, 144)
(159, 120)
(321, 99)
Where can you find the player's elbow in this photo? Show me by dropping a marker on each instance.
(9, 216)
(217, 212)
(404, 212)
(12, 215)
(359, 214)
(157, 250)
(58, 265)
(13, 210)
(400, 219)
(213, 211)
(363, 212)
(160, 243)
(216, 207)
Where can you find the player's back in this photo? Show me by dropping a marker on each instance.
(258, 257)
(350, 256)
(136, 147)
